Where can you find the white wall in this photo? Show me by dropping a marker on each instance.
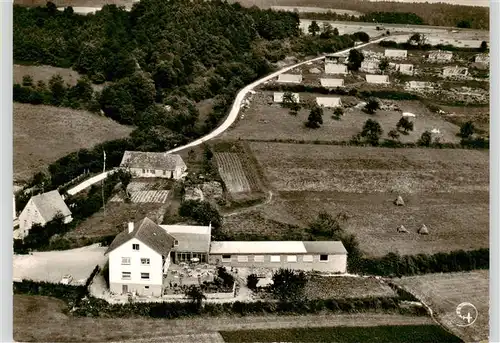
(135, 268)
(176, 174)
(30, 216)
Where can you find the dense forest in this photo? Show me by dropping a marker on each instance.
(158, 61)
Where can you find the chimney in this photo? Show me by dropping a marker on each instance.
(130, 227)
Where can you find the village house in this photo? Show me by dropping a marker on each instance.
(153, 164)
(482, 58)
(439, 56)
(141, 255)
(289, 78)
(332, 83)
(418, 85)
(377, 79)
(333, 68)
(371, 66)
(41, 209)
(455, 71)
(324, 256)
(278, 97)
(406, 69)
(334, 59)
(398, 54)
(328, 102)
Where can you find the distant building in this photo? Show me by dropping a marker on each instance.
(41, 209)
(332, 83)
(406, 69)
(399, 54)
(289, 78)
(455, 71)
(324, 256)
(153, 164)
(482, 58)
(440, 56)
(378, 79)
(328, 102)
(418, 85)
(371, 66)
(278, 97)
(333, 68)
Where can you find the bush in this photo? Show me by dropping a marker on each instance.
(252, 281)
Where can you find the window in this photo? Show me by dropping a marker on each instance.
(164, 172)
(144, 276)
(145, 261)
(144, 171)
(126, 275)
(323, 258)
(152, 171)
(176, 243)
(275, 258)
(125, 260)
(135, 246)
(307, 258)
(243, 258)
(258, 258)
(146, 287)
(226, 258)
(291, 258)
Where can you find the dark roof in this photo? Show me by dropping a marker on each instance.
(149, 233)
(151, 160)
(49, 204)
(325, 247)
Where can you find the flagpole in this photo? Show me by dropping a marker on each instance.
(102, 181)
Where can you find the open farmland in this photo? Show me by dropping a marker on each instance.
(232, 173)
(42, 134)
(341, 287)
(272, 122)
(303, 9)
(444, 292)
(447, 190)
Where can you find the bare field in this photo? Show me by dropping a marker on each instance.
(444, 292)
(447, 190)
(341, 287)
(269, 122)
(118, 214)
(44, 319)
(42, 134)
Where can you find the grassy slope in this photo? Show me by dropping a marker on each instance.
(42, 134)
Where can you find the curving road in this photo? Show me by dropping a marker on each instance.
(231, 117)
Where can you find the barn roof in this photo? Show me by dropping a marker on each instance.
(334, 68)
(332, 82)
(149, 233)
(190, 238)
(277, 247)
(290, 78)
(325, 247)
(151, 160)
(49, 204)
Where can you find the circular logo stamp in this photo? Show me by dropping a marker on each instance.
(466, 314)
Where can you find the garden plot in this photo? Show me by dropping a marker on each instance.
(144, 197)
(232, 173)
(51, 266)
(269, 122)
(447, 190)
(444, 292)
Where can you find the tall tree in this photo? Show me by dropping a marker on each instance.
(314, 28)
(315, 119)
(467, 130)
(372, 131)
(355, 59)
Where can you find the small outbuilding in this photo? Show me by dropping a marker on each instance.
(290, 78)
(402, 229)
(377, 79)
(328, 102)
(334, 68)
(394, 53)
(399, 201)
(440, 56)
(332, 83)
(423, 230)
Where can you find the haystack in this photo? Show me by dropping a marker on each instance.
(423, 230)
(399, 201)
(402, 229)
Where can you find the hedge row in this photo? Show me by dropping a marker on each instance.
(395, 265)
(425, 47)
(387, 143)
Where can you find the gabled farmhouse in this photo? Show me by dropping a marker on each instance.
(333, 68)
(393, 53)
(41, 209)
(325, 256)
(153, 164)
(191, 242)
(328, 102)
(332, 83)
(289, 78)
(439, 56)
(378, 79)
(138, 258)
(278, 97)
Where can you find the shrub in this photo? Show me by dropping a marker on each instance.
(252, 281)
(288, 284)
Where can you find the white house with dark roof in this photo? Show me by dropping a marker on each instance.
(325, 256)
(138, 258)
(153, 164)
(41, 209)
